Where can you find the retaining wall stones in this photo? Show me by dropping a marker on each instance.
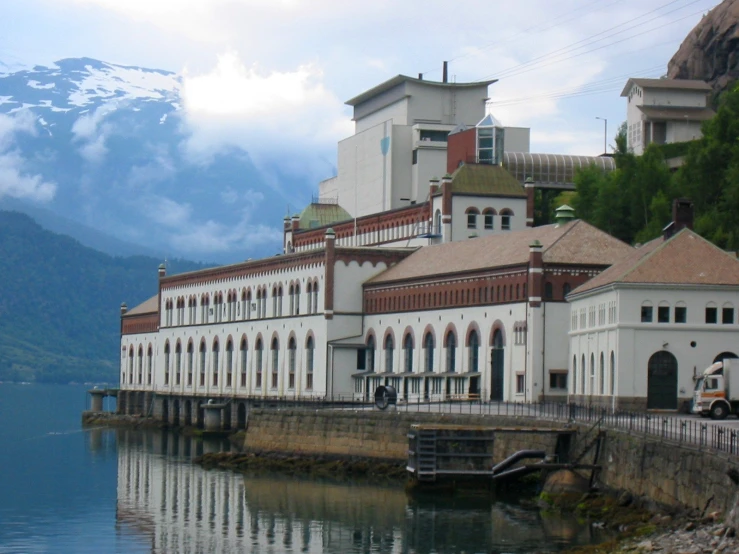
(378, 435)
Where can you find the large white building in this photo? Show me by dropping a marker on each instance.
(457, 296)
(664, 111)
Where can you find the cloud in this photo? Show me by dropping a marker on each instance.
(166, 212)
(15, 180)
(91, 133)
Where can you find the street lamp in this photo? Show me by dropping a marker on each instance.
(605, 133)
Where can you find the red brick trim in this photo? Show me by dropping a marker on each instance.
(497, 326)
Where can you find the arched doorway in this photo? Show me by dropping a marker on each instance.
(662, 381)
(725, 356)
(496, 366)
(226, 418)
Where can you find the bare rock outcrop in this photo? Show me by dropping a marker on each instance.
(711, 50)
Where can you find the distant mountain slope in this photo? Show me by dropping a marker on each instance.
(60, 303)
(109, 146)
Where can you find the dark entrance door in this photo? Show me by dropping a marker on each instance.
(474, 385)
(662, 381)
(496, 367)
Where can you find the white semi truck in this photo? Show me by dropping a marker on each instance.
(716, 392)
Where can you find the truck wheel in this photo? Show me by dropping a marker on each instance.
(719, 411)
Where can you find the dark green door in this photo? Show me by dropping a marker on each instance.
(662, 381)
(496, 367)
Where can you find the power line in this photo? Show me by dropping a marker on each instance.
(588, 41)
(553, 62)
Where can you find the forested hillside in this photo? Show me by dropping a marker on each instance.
(60, 303)
(634, 202)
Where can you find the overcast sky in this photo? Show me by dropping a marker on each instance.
(560, 64)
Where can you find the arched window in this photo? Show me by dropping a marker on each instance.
(488, 215)
(202, 364)
(309, 347)
(248, 305)
(592, 374)
(166, 362)
(274, 301)
(149, 365)
(370, 354)
(275, 361)
(178, 362)
(292, 299)
(229, 362)
(602, 374)
(472, 214)
(428, 348)
(451, 352)
(258, 362)
(389, 347)
(583, 371)
(242, 349)
(408, 353)
(613, 374)
(130, 367)
(437, 222)
(505, 219)
(216, 352)
(140, 366)
(315, 297)
(292, 350)
(309, 294)
(474, 352)
(548, 291)
(574, 374)
(297, 299)
(190, 362)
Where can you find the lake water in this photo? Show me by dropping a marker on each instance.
(68, 490)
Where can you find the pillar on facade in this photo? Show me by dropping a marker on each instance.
(530, 201)
(534, 378)
(212, 416)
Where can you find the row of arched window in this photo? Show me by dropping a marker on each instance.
(205, 365)
(244, 308)
(410, 363)
(488, 218)
(591, 379)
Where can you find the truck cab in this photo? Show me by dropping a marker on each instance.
(714, 395)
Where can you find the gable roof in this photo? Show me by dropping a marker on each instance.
(485, 180)
(674, 84)
(146, 307)
(576, 242)
(684, 259)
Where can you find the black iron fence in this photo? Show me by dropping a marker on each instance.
(681, 429)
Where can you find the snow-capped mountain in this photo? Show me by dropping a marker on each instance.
(107, 146)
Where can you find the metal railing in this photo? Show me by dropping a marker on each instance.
(679, 429)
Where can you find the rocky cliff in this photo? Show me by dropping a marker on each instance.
(711, 50)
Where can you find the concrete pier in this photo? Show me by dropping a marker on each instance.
(212, 416)
(98, 395)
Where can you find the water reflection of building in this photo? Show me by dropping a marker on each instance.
(177, 507)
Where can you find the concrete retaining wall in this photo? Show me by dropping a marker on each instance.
(372, 434)
(668, 473)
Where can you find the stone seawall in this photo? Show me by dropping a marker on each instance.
(671, 474)
(378, 435)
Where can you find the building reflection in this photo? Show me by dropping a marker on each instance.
(177, 507)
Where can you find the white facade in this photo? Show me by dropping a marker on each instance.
(612, 324)
(675, 111)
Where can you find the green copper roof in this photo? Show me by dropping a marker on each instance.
(487, 180)
(319, 215)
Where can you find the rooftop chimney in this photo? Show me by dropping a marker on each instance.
(420, 76)
(682, 217)
(444, 74)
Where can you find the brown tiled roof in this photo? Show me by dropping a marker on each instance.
(148, 306)
(675, 84)
(685, 259)
(486, 180)
(576, 242)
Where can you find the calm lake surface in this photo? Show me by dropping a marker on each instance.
(68, 490)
